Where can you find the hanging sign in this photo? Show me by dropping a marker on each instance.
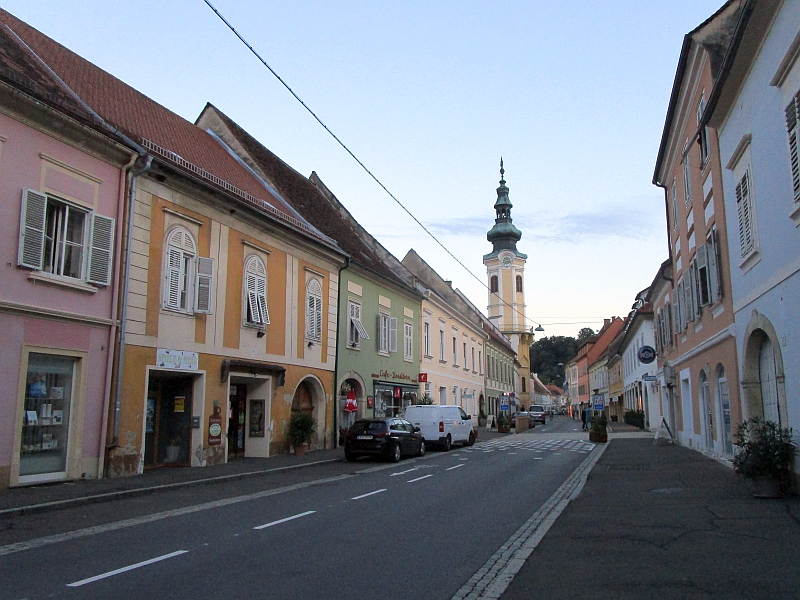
(422, 378)
(646, 355)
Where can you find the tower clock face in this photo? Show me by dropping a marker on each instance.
(506, 262)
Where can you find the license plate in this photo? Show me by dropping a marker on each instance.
(364, 437)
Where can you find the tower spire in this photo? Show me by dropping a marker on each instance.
(503, 236)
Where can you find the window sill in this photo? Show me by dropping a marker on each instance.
(59, 281)
(717, 310)
(353, 347)
(750, 261)
(428, 356)
(408, 359)
(178, 313)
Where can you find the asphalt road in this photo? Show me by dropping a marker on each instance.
(418, 529)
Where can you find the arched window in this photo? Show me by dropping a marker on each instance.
(179, 270)
(519, 284)
(255, 284)
(493, 284)
(314, 311)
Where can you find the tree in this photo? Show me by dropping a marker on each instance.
(584, 334)
(547, 353)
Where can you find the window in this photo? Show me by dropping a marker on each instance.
(466, 365)
(703, 277)
(408, 341)
(523, 385)
(188, 279)
(687, 181)
(355, 328)
(474, 364)
(387, 333)
(519, 284)
(744, 212)
(714, 266)
(455, 351)
(674, 195)
(63, 239)
(480, 362)
(255, 278)
(792, 119)
(493, 283)
(426, 336)
(441, 346)
(314, 310)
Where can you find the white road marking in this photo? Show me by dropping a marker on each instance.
(177, 512)
(463, 459)
(418, 478)
(449, 469)
(128, 568)
(512, 452)
(404, 472)
(308, 512)
(537, 458)
(370, 494)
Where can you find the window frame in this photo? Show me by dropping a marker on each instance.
(408, 341)
(256, 312)
(184, 255)
(314, 310)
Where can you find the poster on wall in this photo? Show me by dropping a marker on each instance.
(257, 418)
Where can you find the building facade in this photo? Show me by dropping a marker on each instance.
(701, 359)
(755, 108)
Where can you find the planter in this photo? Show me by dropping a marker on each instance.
(506, 429)
(598, 438)
(766, 487)
(300, 449)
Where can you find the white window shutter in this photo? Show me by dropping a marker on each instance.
(383, 334)
(172, 284)
(792, 126)
(101, 250)
(317, 318)
(261, 299)
(744, 214)
(713, 268)
(392, 335)
(204, 285)
(252, 305)
(32, 222)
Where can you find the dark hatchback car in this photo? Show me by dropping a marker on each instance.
(391, 438)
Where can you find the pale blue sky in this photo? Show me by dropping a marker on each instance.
(429, 95)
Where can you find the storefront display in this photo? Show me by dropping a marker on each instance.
(48, 399)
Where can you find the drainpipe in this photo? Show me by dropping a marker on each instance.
(142, 164)
(112, 332)
(336, 360)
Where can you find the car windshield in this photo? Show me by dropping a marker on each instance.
(537, 408)
(368, 427)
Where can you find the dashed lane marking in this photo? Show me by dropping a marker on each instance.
(404, 472)
(419, 478)
(369, 494)
(144, 563)
(451, 468)
(292, 518)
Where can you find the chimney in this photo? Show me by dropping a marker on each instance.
(606, 323)
(449, 283)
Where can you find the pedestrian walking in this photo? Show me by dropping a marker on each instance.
(583, 419)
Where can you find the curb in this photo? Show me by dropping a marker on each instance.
(492, 579)
(143, 491)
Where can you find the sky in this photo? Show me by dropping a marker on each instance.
(429, 96)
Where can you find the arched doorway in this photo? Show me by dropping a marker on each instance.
(763, 379)
(309, 397)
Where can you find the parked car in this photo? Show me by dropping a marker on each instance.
(391, 438)
(522, 413)
(537, 414)
(442, 425)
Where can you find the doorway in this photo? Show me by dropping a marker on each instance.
(168, 424)
(237, 417)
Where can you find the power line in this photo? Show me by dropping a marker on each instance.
(355, 158)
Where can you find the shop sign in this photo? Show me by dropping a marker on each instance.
(392, 375)
(176, 359)
(646, 355)
(423, 378)
(215, 427)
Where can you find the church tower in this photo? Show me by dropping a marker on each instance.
(505, 269)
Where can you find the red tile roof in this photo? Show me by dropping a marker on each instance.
(145, 121)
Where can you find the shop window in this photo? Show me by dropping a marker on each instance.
(314, 311)
(63, 239)
(48, 403)
(255, 280)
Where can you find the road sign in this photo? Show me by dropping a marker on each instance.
(599, 403)
(649, 378)
(504, 407)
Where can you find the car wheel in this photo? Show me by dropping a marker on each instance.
(448, 443)
(471, 439)
(421, 448)
(395, 453)
(349, 456)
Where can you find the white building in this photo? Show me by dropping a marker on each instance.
(755, 107)
(639, 378)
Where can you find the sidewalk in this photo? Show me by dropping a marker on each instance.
(38, 498)
(665, 522)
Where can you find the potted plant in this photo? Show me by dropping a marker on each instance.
(598, 432)
(301, 427)
(503, 424)
(765, 454)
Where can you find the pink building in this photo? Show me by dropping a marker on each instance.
(62, 182)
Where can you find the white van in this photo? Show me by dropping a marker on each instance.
(443, 425)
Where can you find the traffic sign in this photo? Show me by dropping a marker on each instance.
(504, 407)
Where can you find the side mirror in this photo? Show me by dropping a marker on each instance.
(417, 430)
